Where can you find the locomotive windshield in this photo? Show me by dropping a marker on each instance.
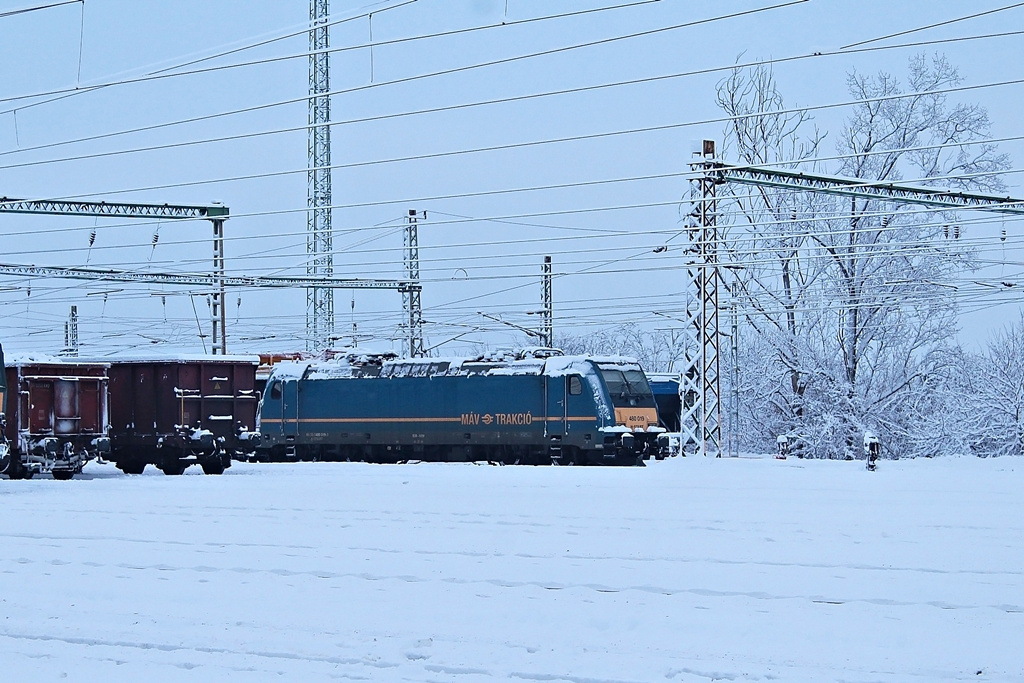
(628, 388)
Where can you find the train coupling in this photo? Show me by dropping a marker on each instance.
(45, 446)
(202, 438)
(251, 438)
(101, 444)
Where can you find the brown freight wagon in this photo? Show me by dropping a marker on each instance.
(56, 416)
(177, 412)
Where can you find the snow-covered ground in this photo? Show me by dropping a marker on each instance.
(687, 570)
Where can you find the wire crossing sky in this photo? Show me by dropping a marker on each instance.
(523, 130)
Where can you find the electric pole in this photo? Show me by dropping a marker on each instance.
(700, 382)
(547, 314)
(70, 349)
(411, 301)
(215, 213)
(319, 235)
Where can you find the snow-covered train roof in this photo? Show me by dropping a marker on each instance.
(369, 365)
(168, 358)
(46, 359)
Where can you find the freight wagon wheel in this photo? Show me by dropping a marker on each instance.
(172, 468)
(62, 475)
(20, 472)
(212, 467)
(131, 466)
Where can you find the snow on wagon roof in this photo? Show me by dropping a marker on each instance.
(170, 358)
(46, 359)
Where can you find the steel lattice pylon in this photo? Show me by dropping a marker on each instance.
(319, 237)
(216, 214)
(699, 383)
(411, 301)
(547, 320)
(195, 279)
(866, 189)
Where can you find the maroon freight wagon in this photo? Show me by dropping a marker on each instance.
(56, 416)
(176, 412)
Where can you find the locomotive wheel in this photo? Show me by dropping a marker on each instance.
(212, 467)
(62, 475)
(131, 466)
(574, 456)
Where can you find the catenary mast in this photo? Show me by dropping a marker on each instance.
(319, 237)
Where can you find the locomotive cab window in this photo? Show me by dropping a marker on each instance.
(275, 391)
(628, 387)
(575, 386)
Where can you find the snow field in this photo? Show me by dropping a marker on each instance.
(687, 570)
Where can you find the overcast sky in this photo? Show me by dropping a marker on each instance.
(480, 254)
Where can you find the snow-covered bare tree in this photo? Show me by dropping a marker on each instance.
(992, 400)
(851, 296)
(657, 351)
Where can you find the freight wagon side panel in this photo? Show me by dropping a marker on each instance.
(144, 406)
(121, 398)
(38, 397)
(155, 398)
(247, 397)
(90, 406)
(218, 399)
(189, 394)
(11, 412)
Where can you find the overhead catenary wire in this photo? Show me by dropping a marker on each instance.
(979, 301)
(408, 79)
(381, 117)
(485, 193)
(764, 239)
(161, 73)
(37, 8)
(374, 162)
(934, 25)
(676, 200)
(537, 143)
(292, 101)
(777, 231)
(601, 308)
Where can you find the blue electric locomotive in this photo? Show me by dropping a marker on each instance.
(533, 408)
